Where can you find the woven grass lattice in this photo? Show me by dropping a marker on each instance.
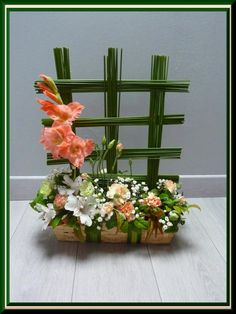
(112, 85)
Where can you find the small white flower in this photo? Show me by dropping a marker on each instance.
(96, 180)
(164, 227)
(133, 202)
(143, 183)
(166, 219)
(136, 208)
(145, 189)
(98, 227)
(169, 224)
(133, 211)
(134, 182)
(137, 215)
(99, 219)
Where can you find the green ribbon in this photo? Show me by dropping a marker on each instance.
(134, 235)
(92, 234)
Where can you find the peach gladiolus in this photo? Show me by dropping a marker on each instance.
(62, 113)
(56, 139)
(54, 97)
(78, 150)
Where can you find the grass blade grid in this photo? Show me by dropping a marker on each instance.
(112, 86)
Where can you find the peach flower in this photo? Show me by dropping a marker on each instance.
(77, 150)
(56, 139)
(151, 200)
(60, 201)
(61, 113)
(119, 193)
(107, 208)
(128, 210)
(170, 186)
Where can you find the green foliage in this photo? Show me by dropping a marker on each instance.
(125, 226)
(141, 223)
(55, 221)
(38, 199)
(120, 218)
(174, 228)
(112, 222)
(194, 206)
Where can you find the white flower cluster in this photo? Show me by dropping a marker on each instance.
(160, 183)
(166, 223)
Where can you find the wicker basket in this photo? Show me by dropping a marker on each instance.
(66, 233)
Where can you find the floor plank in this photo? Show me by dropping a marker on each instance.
(41, 269)
(17, 209)
(213, 218)
(114, 273)
(190, 269)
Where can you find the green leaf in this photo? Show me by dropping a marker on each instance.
(164, 196)
(172, 229)
(141, 224)
(120, 219)
(178, 209)
(112, 222)
(125, 226)
(155, 191)
(168, 209)
(55, 221)
(194, 206)
(72, 222)
(39, 199)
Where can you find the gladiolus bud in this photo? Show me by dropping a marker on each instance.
(111, 144)
(49, 81)
(44, 87)
(104, 140)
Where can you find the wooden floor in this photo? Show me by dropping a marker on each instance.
(191, 269)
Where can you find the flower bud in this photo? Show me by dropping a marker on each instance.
(111, 144)
(104, 140)
(119, 147)
(50, 83)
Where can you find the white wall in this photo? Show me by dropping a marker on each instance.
(196, 45)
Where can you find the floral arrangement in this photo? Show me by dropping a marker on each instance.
(92, 202)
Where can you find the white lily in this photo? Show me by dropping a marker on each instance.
(48, 213)
(64, 191)
(82, 207)
(73, 184)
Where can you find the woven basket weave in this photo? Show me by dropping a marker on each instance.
(66, 233)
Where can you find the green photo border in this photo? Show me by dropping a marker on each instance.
(5, 131)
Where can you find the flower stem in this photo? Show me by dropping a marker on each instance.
(130, 167)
